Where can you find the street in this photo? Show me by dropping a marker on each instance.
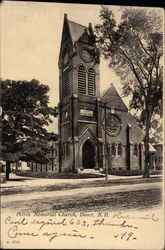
(118, 193)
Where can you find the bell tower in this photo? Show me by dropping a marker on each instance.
(79, 90)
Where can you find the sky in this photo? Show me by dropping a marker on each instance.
(30, 43)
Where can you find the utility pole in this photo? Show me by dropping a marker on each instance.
(105, 150)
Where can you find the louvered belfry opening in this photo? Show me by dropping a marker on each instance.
(65, 82)
(81, 80)
(91, 82)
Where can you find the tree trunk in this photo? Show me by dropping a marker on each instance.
(146, 144)
(7, 170)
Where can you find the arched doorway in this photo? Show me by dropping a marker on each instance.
(88, 154)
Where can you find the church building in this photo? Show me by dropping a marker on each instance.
(95, 128)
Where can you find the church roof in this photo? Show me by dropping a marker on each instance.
(112, 98)
(76, 30)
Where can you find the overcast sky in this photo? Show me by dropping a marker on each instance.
(30, 42)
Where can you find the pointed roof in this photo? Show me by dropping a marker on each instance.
(76, 30)
(112, 98)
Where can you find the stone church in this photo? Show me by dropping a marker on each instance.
(93, 127)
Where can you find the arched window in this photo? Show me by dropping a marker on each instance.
(81, 80)
(91, 82)
(113, 149)
(135, 150)
(119, 149)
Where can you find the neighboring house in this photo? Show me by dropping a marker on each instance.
(20, 165)
(152, 152)
(156, 156)
(53, 164)
(159, 156)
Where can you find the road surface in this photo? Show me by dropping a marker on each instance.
(81, 195)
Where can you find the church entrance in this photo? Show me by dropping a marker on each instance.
(88, 154)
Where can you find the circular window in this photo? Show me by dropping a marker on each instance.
(113, 125)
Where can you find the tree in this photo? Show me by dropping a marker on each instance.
(25, 116)
(134, 49)
(156, 132)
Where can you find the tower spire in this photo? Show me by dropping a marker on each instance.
(65, 16)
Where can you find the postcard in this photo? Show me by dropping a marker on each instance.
(81, 133)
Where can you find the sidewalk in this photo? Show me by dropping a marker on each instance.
(27, 184)
(18, 181)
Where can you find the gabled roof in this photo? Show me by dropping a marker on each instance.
(151, 148)
(85, 131)
(112, 98)
(76, 30)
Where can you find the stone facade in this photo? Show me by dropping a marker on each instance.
(93, 127)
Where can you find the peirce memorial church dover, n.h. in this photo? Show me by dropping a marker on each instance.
(92, 125)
